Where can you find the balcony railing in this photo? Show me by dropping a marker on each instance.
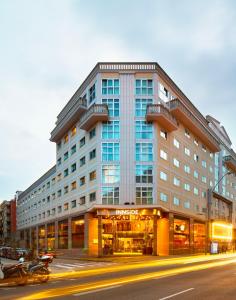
(230, 163)
(96, 113)
(160, 114)
(187, 118)
(69, 119)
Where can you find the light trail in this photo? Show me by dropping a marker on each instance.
(81, 288)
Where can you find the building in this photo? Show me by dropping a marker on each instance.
(138, 171)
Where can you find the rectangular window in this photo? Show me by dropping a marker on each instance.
(92, 154)
(187, 187)
(59, 177)
(73, 185)
(110, 195)
(195, 174)
(113, 107)
(66, 155)
(111, 130)
(73, 167)
(92, 175)
(92, 197)
(187, 169)
(66, 172)
(92, 133)
(59, 161)
(59, 193)
(73, 149)
(176, 201)
(204, 148)
(73, 131)
(163, 92)
(187, 204)
(73, 203)
(110, 86)
(66, 206)
(204, 179)
(144, 195)
(163, 176)
(163, 155)
(110, 173)
(195, 157)
(195, 142)
(58, 146)
(176, 181)
(66, 189)
(82, 161)
(110, 151)
(66, 138)
(82, 142)
(163, 197)
(176, 143)
(82, 181)
(143, 130)
(82, 200)
(187, 133)
(144, 152)
(92, 93)
(141, 106)
(163, 134)
(195, 191)
(144, 174)
(143, 87)
(176, 162)
(204, 164)
(186, 151)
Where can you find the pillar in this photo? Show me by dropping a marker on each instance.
(37, 240)
(100, 236)
(56, 234)
(171, 233)
(191, 235)
(46, 236)
(69, 234)
(154, 235)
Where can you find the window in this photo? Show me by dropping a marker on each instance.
(66, 189)
(110, 195)
(66, 206)
(176, 201)
(187, 169)
(92, 197)
(195, 142)
(53, 197)
(176, 162)
(73, 131)
(163, 134)
(143, 87)
(58, 146)
(53, 180)
(141, 106)
(82, 142)
(66, 155)
(82, 161)
(110, 151)
(143, 130)
(187, 204)
(204, 179)
(92, 93)
(176, 181)
(211, 169)
(73, 167)
(110, 86)
(204, 164)
(195, 174)
(59, 161)
(163, 176)
(59, 193)
(195, 157)
(82, 181)
(186, 151)
(48, 213)
(110, 173)
(48, 184)
(187, 187)
(144, 152)
(176, 143)
(73, 149)
(92, 154)
(113, 107)
(92, 133)
(204, 148)
(59, 177)
(163, 154)
(111, 130)
(144, 195)
(53, 211)
(144, 174)
(195, 191)
(92, 175)
(163, 92)
(66, 172)
(66, 138)
(73, 185)
(73, 203)
(82, 200)
(187, 133)
(163, 197)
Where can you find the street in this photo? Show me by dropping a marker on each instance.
(196, 277)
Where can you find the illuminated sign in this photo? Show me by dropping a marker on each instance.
(222, 231)
(127, 212)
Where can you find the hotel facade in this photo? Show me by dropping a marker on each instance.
(139, 170)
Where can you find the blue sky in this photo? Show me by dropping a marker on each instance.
(48, 47)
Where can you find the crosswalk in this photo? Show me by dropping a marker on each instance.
(74, 266)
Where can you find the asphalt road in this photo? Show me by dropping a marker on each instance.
(192, 279)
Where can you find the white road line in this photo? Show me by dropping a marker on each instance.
(72, 279)
(62, 266)
(97, 290)
(173, 295)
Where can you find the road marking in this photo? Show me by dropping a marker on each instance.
(62, 266)
(173, 295)
(97, 290)
(72, 279)
(53, 282)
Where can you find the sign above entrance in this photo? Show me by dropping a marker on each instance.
(122, 212)
(128, 212)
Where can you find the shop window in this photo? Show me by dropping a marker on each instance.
(181, 236)
(63, 234)
(77, 230)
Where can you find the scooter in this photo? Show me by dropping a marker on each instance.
(38, 269)
(13, 273)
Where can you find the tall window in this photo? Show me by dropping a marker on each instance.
(163, 176)
(163, 197)
(110, 86)
(92, 93)
(143, 87)
(141, 106)
(92, 154)
(144, 174)
(110, 173)
(113, 107)
(144, 152)
(143, 130)
(110, 151)
(144, 195)
(176, 143)
(110, 195)
(111, 130)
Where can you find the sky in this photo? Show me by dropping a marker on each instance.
(48, 47)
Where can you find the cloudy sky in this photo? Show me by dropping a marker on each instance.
(47, 48)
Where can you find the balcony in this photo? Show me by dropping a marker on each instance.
(69, 120)
(96, 113)
(186, 117)
(230, 163)
(160, 114)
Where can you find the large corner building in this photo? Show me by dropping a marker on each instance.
(139, 170)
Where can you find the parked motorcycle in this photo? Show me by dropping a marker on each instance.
(38, 269)
(13, 274)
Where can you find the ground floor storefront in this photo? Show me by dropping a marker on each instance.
(119, 231)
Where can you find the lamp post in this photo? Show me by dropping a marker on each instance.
(209, 202)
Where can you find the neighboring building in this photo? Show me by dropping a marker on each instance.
(8, 222)
(135, 162)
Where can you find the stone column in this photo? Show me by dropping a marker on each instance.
(191, 235)
(171, 233)
(154, 235)
(69, 234)
(100, 236)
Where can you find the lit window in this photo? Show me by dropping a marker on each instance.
(163, 176)
(110, 195)
(92, 133)
(141, 106)
(186, 151)
(176, 143)
(92, 175)
(110, 151)
(211, 169)
(143, 130)
(66, 138)
(110, 173)
(66, 206)
(176, 162)
(113, 107)
(92, 197)
(92, 93)
(143, 86)
(163, 197)
(163, 134)
(73, 131)
(176, 181)
(144, 195)
(73, 185)
(144, 152)
(144, 174)
(163, 154)
(110, 86)
(176, 201)
(111, 130)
